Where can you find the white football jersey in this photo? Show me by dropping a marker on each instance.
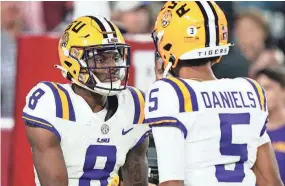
(93, 149)
(218, 124)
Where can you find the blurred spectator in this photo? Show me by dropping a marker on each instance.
(55, 12)
(25, 16)
(8, 74)
(12, 19)
(11, 26)
(132, 16)
(100, 8)
(273, 81)
(253, 37)
(251, 33)
(274, 13)
(267, 58)
(33, 17)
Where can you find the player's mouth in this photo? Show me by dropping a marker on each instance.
(112, 79)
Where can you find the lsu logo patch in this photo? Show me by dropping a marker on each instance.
(64, 39)
(224, 33)
(166, 18)
(113, 40)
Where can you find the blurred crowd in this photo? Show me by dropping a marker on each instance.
(257, 28)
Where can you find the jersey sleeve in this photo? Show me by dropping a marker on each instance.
(139, 134)
(262, 104)
(264, 137)
(40, 109)
(169, 143)
(260, 94)
(163, 106)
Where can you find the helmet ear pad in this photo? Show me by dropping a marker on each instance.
(72, 68)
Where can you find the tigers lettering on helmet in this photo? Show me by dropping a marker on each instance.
(93, 54)
(190, 30)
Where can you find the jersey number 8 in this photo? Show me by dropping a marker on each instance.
(91, 173)
(33, 100)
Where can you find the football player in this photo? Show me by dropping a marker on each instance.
(82, 133)
(207, 131)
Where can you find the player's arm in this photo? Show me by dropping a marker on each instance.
(47, 156)
(170, 155)
(265, 167)
(44, 137)
(135, 169)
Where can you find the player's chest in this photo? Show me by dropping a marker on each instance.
(92, 129)
(92, 136)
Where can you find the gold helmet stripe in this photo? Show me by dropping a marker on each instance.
(100, 24)
(206, 23)
(216, 22)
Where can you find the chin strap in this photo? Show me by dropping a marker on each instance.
(166, 70)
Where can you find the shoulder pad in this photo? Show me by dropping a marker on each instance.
(260, 93)
(39, 110)
(138, 97)
(51, 96)
(184, 92)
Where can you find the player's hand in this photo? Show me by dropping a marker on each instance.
(115, 181)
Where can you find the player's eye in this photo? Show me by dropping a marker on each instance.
(99, 60)
(117, 58)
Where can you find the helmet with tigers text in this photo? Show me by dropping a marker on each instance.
(186, 30)
(93, 54)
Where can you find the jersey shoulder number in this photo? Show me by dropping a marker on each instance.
(46, 102)
(171, 95)
(166, 99)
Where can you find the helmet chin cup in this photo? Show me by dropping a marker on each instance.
(105, 89)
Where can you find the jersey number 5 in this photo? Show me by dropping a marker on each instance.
(227, 148)
(91, 173)
(153, 99)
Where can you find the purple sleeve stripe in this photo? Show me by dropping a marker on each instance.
(58, 103)
(263, 128)
(141, 140)
(167, 121)
(138, 97)
(178, 92)
(35, 121)
(193, 95)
